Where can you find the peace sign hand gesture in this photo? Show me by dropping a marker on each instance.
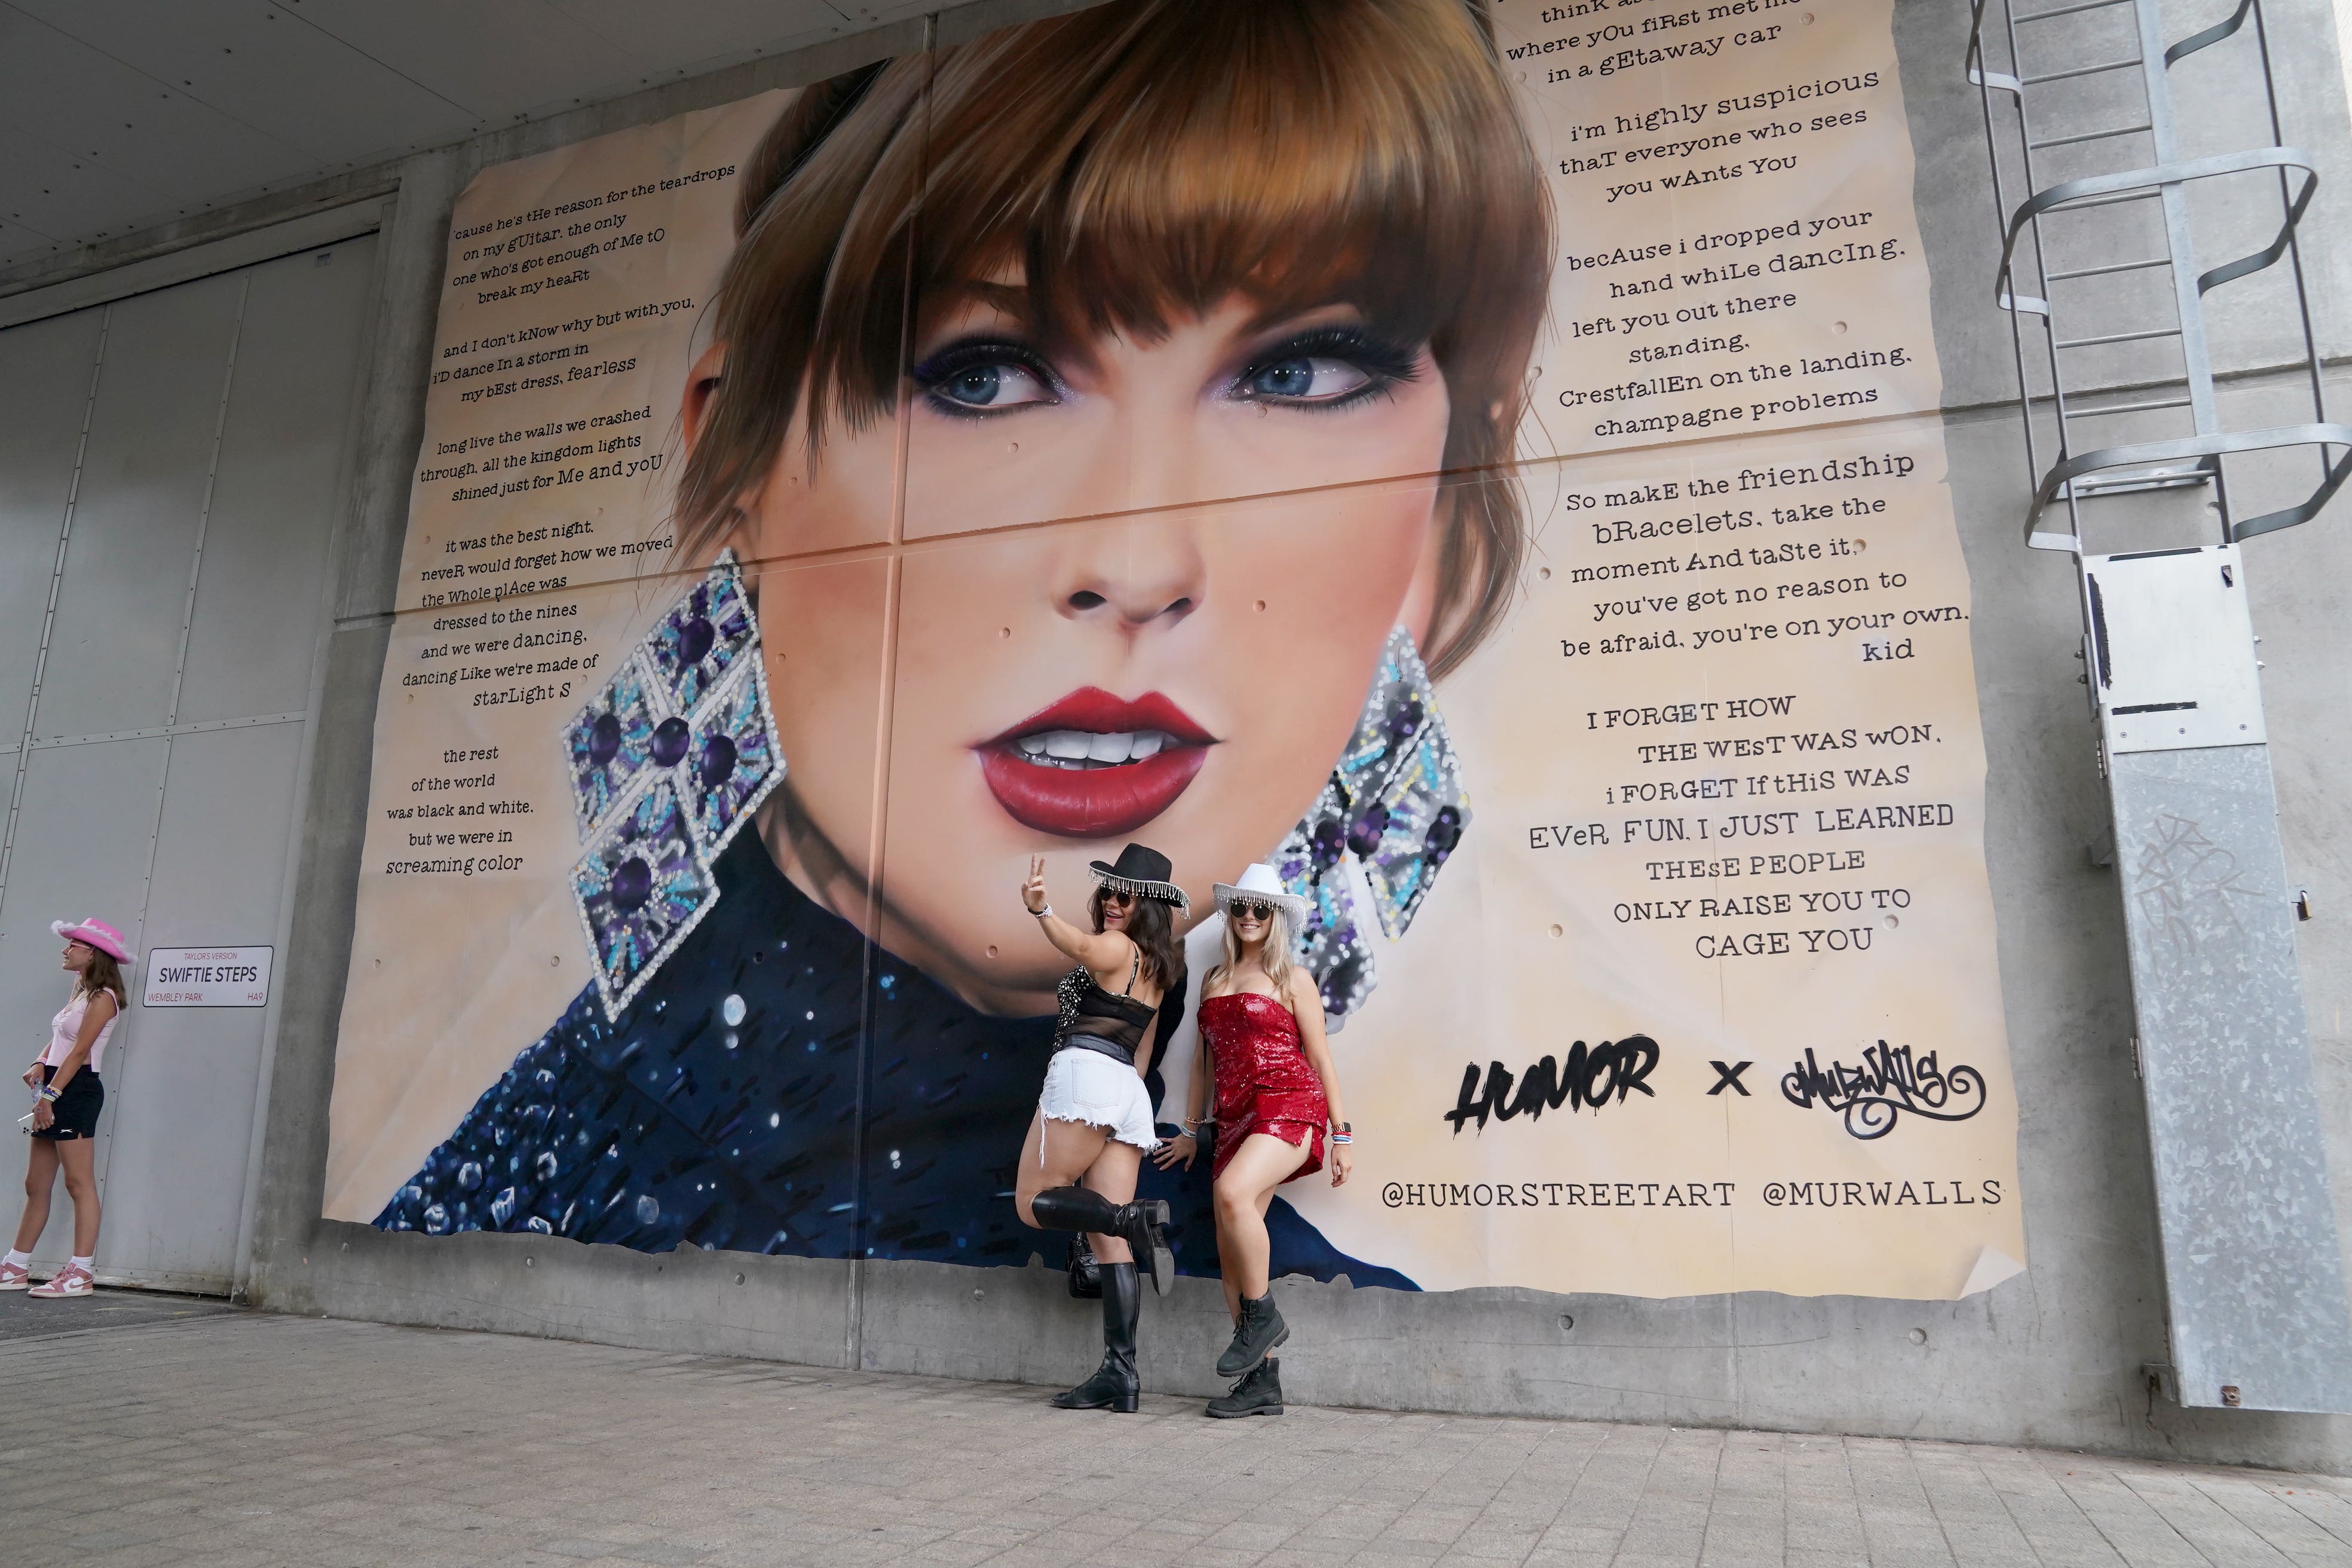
(1032, 891)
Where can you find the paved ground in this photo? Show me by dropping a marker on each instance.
(229, 1438)
(21, 1316)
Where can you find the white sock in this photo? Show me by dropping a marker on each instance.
(85, 1264)
(16, 1259)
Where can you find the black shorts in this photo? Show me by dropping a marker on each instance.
(76, 1110)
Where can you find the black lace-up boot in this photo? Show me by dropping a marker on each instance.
(1139, 1225)
(1260, 1330)
(1259, 1393)
(1114, 1385)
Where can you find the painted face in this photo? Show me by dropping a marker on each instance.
(1170, 664)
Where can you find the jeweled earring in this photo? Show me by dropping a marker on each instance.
(669, 762)
(1393, 806)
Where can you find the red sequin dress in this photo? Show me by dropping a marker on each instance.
(1264, 1082)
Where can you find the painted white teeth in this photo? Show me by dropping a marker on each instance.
(1086, 749)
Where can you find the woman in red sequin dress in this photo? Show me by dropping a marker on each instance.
(1278, 1116)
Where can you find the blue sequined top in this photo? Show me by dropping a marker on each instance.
(724, 1108)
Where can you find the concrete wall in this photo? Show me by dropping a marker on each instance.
(2051, 1357)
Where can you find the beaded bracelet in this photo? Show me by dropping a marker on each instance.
(46, 1092)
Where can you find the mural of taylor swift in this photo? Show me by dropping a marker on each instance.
(1168, 250)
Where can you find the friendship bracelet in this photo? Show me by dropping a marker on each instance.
(46, 1092)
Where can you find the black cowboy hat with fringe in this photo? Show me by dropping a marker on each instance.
(1142, 872)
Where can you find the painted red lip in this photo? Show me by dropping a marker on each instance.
(1096, 803)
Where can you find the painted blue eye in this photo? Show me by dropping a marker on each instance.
(1305, 379)
(995, 385)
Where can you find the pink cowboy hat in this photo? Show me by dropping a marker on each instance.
(94, 932)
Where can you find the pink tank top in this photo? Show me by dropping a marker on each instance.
(65, 1029)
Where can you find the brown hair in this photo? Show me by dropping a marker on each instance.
(1137, 164)
(1151, 926)
(101, 974)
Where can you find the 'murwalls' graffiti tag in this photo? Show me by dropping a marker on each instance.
(1595, 1075)
(1889, 1081)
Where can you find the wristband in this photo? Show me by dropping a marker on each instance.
(46, 1092)
(1340, 1138)
(1040, 914)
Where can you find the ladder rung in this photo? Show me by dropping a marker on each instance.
(2087, 136)
(2089, 202)
(2103, 271)
(2130, 407)
(2082, 70)
(2116, 338)
(2078, 393)
(2070, 10)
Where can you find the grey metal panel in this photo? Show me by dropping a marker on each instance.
(117, 635)
(165, 143)
(45, 371)
(82, 849)
(2173, 646)
(182, 1100)
(312, 231)
(60, 191)
(221, 854)
(2252, 1271)
(498, 62)
(292, 83)
(261, 591)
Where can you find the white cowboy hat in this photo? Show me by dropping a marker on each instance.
(1260, 883)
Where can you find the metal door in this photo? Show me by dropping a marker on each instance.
(173, 468)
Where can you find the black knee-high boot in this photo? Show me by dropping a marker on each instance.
(1114, 1385)
(1137, 1223)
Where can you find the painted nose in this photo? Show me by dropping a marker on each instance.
(1134, 576)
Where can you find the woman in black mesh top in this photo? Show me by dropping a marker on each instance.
(1093, 1125)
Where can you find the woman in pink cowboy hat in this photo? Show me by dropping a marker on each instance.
(68, 1096)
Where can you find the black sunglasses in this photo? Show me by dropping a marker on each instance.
(1239, 907)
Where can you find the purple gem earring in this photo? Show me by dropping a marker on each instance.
(1394, 805)
(668, 761)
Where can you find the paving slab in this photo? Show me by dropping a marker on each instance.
(22, 1316)
(205, 1435)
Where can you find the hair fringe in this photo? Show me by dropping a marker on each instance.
(1137, 164)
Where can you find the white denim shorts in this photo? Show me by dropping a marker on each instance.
(1101, 1091)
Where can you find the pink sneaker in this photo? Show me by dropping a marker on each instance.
(12, 1278)
(68, 1281)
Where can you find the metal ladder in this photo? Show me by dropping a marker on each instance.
(2254, 1272)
